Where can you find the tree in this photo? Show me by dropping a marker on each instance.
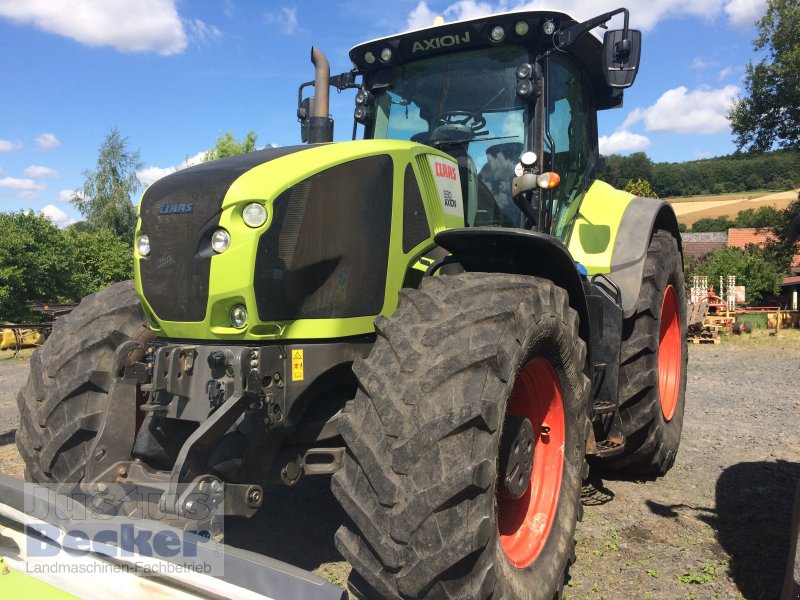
(769, 113)
(712, 224)
(105, 199)
(227, 145)
(640, 187)
(752, 268)
(761, 218)
(619, 170)
(36, 263)
(101, 258)
(786, 242)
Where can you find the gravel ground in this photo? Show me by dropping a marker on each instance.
(13, 374)
(716, 526)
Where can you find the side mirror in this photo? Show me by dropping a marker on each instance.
(621, 56)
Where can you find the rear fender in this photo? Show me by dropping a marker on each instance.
(641, 219)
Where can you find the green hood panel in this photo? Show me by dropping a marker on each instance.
(265, 177)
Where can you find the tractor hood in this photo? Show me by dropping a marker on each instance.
(329, 249)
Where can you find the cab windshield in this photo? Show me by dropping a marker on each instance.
(466, 105)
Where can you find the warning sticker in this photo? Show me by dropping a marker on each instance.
(297, 365)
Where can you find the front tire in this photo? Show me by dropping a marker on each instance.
(462, 358)
(62, 405)
(654, 355)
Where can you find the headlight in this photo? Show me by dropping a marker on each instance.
(498, 33)
(143, 245)
(220, 241)
(254, 214)
(239, 316)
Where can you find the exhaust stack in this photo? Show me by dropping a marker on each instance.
(320, 127)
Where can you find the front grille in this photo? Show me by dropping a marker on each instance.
(326, 253)
(175, 277)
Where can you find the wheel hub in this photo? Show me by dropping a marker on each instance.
(516, 456)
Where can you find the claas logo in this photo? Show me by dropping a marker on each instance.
(446, 171)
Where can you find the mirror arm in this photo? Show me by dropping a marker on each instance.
(572, 34)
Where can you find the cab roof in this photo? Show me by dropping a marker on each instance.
(520, 27)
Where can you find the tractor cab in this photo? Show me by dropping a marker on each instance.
(486, 91)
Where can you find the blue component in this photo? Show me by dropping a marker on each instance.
(581, 269)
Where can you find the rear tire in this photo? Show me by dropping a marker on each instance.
(653, 358)
(420, 482)
(62, 405)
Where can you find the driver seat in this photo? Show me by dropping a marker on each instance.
(495, 204)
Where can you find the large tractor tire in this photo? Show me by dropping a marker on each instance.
(652, 377)
(61, 406)
(466, 443)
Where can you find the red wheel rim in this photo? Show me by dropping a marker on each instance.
(669, 353)
(525, 523)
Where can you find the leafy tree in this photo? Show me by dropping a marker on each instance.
(101, 258)
(786, 243)
(769, 113)
(36, 263)
(619, 170)
(105, 199)
(752, 268)
(754, 182)
(712, 224)
(227, 145)
(761, 218)
(640, 187)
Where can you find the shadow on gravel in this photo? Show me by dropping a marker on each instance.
(296, 525)
(752, 520)
(754, 509)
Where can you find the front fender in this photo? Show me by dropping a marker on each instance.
(521, 252)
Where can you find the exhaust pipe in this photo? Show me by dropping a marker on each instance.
(320, 127)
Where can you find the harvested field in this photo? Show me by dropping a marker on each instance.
(693, 208)
(715, 527)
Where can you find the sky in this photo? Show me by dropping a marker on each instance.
(172, 75)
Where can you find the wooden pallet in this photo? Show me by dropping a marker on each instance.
(703, 340)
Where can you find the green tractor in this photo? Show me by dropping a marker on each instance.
(451, 316)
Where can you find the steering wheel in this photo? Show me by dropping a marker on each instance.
(463, 117)
(458, 126)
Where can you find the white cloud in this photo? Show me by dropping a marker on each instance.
(40, 171)
(46, 141)
(285, 18)
(743, 13)
(142, 26)
(645, 14)
(701, 111)
(421, 17)
(203, 33)
(8, 145)
(700, 64)
(153, 174)
(725, 73)
(56, 215)
(621, 142)
(702, 154)
(65, 195)
(22, 184)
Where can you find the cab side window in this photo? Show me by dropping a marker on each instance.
(569, 147)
